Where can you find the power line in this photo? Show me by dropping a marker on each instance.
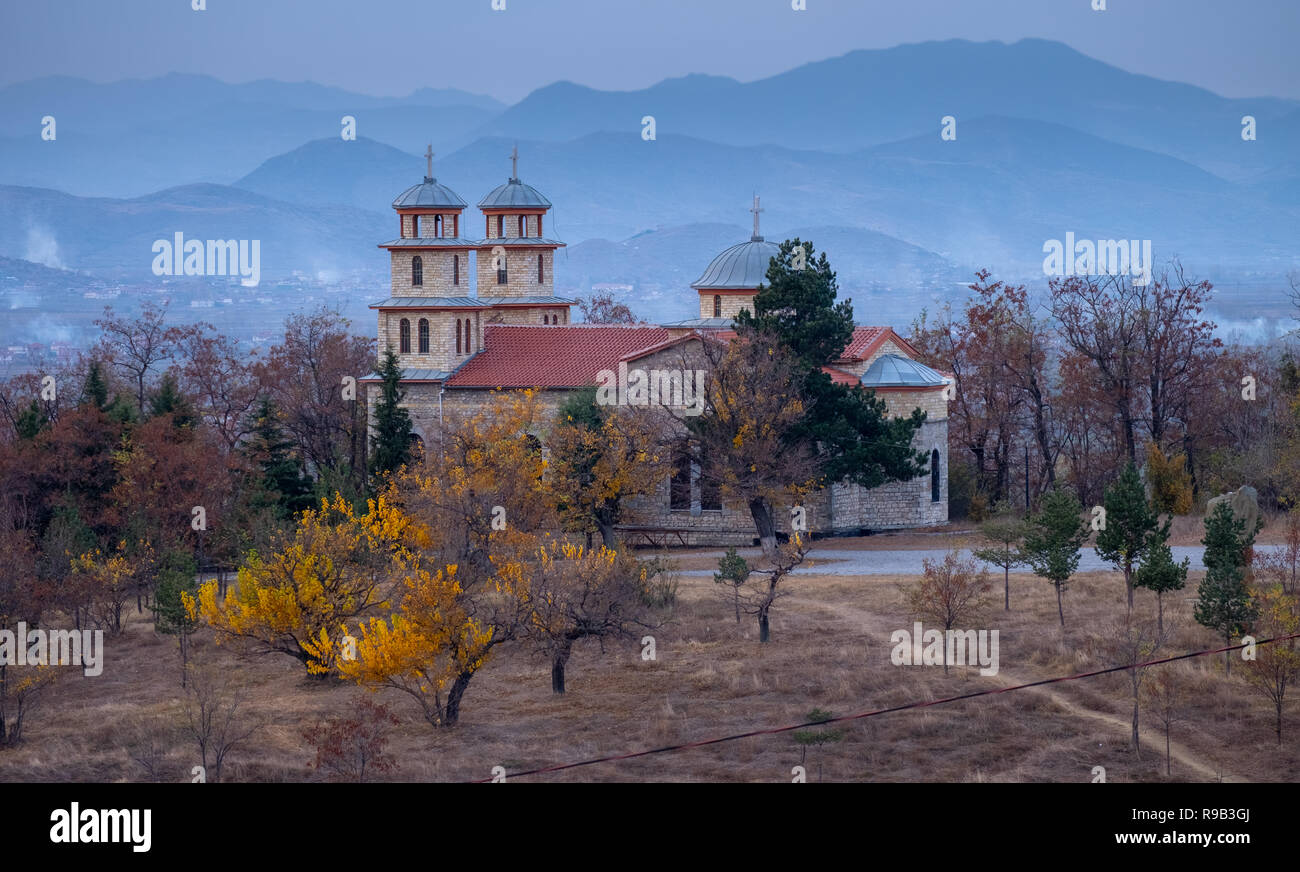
(871, 714)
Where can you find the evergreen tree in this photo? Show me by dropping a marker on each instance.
(1004, 532)
(1129, 525)
(1053, 539)
(392, 429)
(1159, 573)
(168, 400)
(95, 389)
(177, 576)
(848, 425)
(282, 481)
(1222, 600)
(733, 571)
(30, 421)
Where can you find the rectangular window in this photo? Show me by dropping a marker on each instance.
(679, 486)
(710, 495)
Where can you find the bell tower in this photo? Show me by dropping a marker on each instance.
(515, 257)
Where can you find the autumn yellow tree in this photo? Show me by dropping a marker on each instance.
(600, 456)
(107, 581)
(575, 593)
(1276, 666)
(476, 508)
(334, 566)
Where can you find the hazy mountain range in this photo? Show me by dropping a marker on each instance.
(846, 151)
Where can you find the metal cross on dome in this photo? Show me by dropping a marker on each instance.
(428, 157)
(514, 161)
(755, 209)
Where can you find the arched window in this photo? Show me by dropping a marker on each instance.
(423, 336)
(539, 269)
(417, 270)
(501, 271)
(437, 225)
(404, 337)
(501, 226)
(523, 225)
(469, 346)
(934, 476)
(458, 336)
(717, 305)
(455, 269)
(415, 225)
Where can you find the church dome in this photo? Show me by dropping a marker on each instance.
(894, 371)
(514, 193)
(428, 193)
(741, 266)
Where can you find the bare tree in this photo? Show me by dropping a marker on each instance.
(1165, 696)
(137, 347)
(1128, 643)
(212, 714)
(951, 591)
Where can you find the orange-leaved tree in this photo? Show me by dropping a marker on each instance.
(334, 566)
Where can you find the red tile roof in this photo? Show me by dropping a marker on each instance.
(527, 356)
(866, 340)
(840, 376)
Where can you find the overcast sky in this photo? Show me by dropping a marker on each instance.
(1233, 47)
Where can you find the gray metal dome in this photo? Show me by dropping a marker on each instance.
(428, 193)
(514, 193)
(893, 371)
(741, 266)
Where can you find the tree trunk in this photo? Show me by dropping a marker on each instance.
(451, 714)
(762, 515)
(1128, 583)
(1279, 719)
(764, 628)
(558, 661)
(1135, 724)
(1166, 750)
(1160, 612)
(737, 598)
(607, 534)
(1006, 590)
(1060, 610)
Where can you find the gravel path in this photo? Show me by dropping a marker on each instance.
(909, 562)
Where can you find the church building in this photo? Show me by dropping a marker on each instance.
(465, 326)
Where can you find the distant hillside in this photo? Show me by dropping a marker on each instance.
(115, 237)
(129, 137)
(868, 97)
(992, 197)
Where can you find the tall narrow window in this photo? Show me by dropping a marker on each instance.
(717, 305)
(437, 225)
(424, 336)
(501, 271)
(417, 270)
(523, 225)
(934, 476)
(539, 269)
(679, 486)
(458, 336)
(455, 269)
(501, 226)
(404, 337)
(710, 495)
(415, 225)
(469, 345)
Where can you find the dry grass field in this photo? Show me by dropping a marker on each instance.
(830, 650)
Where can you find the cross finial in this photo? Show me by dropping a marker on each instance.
(428, 157)
(755, 209)
(514, 161)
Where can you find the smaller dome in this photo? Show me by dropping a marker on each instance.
(514, 193)
(894, 371)
(741, 266)
(428, 193)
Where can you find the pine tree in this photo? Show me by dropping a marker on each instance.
(168, 400)
(1129, 525)
(847, 425)
(392, 429)
(176, 578)
(1053, 539)
(1222, 600)
(1004, 532)
(30, 421)
(1160, 573)
(95, 390)
(282, 481)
